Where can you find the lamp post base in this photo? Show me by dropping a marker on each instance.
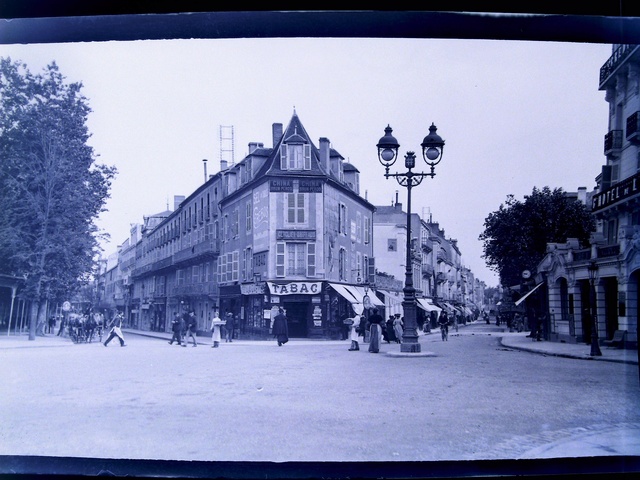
(410, 347)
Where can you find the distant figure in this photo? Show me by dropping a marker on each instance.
(176, 327)
(191, 328)
(216, 323)
(391, 334)
(376, 322)
(353, 332)
(229, 327)
(398, 328)
(116, 330)
(280, 328)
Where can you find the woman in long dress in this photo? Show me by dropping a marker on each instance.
(398, 327)
(376, 332)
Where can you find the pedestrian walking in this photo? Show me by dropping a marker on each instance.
(392, 333)
(280, 328)
(216, 323)
(62, 325)
(376, 322)
(353, 324)
(398, 328)
(229, 327)
(52, 324)
(362, 327)
(116, 330)
(176, 327)
(191, 328)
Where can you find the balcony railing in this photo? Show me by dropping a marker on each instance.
(608, 251)
(581, 255)
(427, 270)
(208, 248)
(613, 143)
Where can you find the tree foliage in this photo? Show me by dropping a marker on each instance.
(51, 188)
(516, 235)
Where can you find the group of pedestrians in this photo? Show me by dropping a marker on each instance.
(184, 327)
(378, 330)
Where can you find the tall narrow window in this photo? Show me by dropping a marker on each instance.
(342, 264)
(311, 259)
(296, 208)
(280, 249)
(249, 222)
(342, 219)
(367, 230)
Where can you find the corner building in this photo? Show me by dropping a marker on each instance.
(284, 227)
(294, 233)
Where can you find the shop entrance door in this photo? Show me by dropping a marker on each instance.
(297, 317)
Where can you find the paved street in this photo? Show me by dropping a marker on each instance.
(474, 398)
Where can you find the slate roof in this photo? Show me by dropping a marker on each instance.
(294, 133)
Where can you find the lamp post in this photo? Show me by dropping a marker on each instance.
(432, 148)
(593, 275)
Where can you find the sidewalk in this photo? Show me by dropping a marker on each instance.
(582, 351)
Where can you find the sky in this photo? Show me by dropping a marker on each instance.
(514, 115)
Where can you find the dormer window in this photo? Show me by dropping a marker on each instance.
(295, 156)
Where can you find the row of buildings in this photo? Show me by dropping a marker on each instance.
(608, 270)
(287, 226)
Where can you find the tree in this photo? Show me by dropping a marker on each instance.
(51, 188)
(516, 235)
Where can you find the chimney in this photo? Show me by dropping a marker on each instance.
(204, 161)
(277, 133)
(398, 205)
(253, 146)
(325, 150)
(223, 165)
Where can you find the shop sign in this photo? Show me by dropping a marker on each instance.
(295, 288)
(295, 234)
(281, 185)
(310, 185)
(251, 289)
(317, 316)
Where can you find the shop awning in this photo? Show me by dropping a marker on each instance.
(342, 290)
(359, 293)
(392, 302)
(427, 306)
(393, 297)
(522, 298)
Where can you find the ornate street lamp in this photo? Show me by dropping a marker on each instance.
(432, 148)
(593, 276)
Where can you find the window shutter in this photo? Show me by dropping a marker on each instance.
(283, 157)
(280, 259)
(311, 259)
(307, 156)
(372, 270)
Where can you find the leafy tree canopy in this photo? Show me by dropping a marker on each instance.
(51, 188)
(516, 235)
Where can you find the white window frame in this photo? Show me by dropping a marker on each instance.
(296, 209)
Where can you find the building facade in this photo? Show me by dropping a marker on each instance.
(284, 227)
(563, 285)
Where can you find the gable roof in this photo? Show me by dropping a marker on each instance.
(294, 133)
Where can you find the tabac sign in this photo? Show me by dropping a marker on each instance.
(295, 288)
